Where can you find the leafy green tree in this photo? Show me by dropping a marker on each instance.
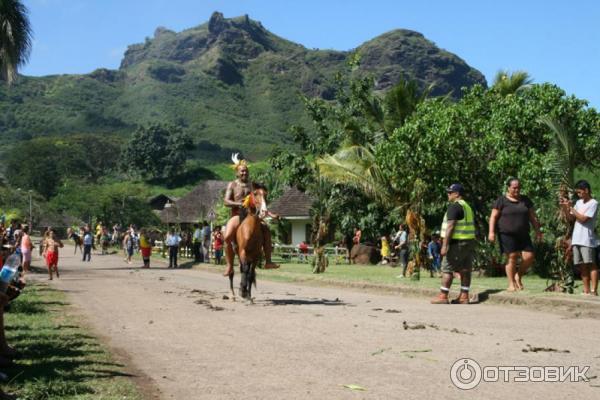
(485, 138)
(15, 38)
(125, 203)
(156, 151)
(43, 164)
(353, 119)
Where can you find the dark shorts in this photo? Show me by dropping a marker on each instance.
(510, 243)
(459, 257)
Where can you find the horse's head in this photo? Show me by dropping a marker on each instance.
(256, 202)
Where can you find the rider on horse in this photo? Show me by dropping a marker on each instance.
(234, 198)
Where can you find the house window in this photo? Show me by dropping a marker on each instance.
(307, 232)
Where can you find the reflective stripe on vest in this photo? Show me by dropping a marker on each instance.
(464, 228)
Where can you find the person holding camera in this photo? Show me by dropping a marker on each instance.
(583, 241)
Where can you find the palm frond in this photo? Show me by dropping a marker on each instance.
(15, 38)
(507, 83)
(356, 167)
(563, 153)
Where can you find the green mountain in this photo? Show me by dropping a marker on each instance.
(229, 82)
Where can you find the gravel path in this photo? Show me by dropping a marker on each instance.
(299, 342)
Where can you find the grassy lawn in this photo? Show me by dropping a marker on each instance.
(58, 358)
(386, 275)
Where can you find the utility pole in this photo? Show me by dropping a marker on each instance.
(30, 212)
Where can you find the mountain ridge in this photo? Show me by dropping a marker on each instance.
(228, 80)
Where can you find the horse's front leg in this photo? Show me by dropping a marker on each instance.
(251, 280)
(231, 291)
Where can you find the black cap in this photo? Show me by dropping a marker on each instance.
(455, 188)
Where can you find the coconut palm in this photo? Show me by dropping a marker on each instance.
(401, 101)
(356, 166)
(507, 83)
(15, 38)
(564, 151)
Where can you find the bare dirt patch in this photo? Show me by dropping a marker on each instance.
(304, 342)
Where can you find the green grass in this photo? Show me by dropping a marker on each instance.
(344, 274)
(58, 358)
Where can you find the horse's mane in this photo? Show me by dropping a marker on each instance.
(243, 213)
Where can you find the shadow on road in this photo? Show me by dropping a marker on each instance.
(300, 302)
(485, 295)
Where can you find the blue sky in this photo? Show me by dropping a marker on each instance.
(555, 41)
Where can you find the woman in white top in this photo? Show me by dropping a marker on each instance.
(584, 241)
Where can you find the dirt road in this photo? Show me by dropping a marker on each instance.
(301, 342)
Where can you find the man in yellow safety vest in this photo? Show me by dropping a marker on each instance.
(458, 248)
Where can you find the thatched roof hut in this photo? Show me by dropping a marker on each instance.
(158, 202)
(196, 205)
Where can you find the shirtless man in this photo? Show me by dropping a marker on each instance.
(234, 197)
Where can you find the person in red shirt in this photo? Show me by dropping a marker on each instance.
(218, 244)
(303, 251)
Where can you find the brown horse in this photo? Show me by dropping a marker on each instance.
(250, 240)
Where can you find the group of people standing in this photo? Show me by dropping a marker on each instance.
(205, 242)
(511, 219)
(15, 238)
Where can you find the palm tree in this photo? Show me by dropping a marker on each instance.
(401, 101)
(15, 38)
(355, 164)
(564, 151)
(507, 83)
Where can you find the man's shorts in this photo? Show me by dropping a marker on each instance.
(583, 255)
(459, 257)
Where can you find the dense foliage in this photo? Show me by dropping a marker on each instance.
(125, 203)
(354, 117)
(43, 164)
(485, 138)
(156, 151)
